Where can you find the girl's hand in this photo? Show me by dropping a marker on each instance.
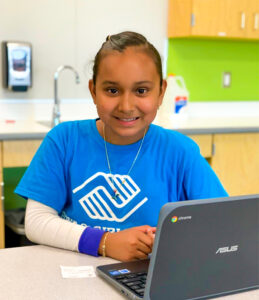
(129, 244)
(151, 231)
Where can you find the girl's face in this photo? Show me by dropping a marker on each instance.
(127, 95)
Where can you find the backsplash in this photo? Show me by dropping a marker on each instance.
(202, 63)
(41, 109)
(78, 109)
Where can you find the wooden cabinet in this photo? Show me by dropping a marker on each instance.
(235, 159)
(13, 154)
(233, 18)
(214, 18)
(205, 12)
(253, 19)
(19, 153)
(205, 143)
(236, 162)
(2, 232)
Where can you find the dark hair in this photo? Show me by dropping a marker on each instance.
(121, 41)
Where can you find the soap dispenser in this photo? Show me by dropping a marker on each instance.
(17, 65)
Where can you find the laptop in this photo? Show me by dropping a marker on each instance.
(202, 249)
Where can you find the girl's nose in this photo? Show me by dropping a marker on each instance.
(126, 102)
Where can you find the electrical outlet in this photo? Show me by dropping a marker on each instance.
(226, 79)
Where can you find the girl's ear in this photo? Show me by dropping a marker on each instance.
(92, 90)
(162, 92)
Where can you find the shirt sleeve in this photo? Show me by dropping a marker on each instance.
(44, 226)
(45, 178)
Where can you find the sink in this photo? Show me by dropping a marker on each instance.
(45, 123)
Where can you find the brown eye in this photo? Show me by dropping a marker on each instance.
(142, 91)
(112, 91)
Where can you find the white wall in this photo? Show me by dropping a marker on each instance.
(71, 32)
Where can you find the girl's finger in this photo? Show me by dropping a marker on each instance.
(141, 255)
(145, 242)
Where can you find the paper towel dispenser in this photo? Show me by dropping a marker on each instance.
(17, 65)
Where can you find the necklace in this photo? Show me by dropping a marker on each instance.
(116, 194)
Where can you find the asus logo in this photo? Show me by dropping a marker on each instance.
(227, 249)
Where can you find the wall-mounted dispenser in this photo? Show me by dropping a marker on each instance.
(17, 65)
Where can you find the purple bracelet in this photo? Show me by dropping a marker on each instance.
(90, 240)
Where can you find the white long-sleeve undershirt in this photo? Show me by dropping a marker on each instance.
(44, 226)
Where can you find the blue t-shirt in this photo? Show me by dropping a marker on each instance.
(70, 174)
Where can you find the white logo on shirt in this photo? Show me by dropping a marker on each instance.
(100, 203)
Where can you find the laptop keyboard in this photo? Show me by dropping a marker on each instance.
(134, 281)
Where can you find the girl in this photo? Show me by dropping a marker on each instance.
(97, 186)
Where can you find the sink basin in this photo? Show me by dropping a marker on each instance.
(45, 123)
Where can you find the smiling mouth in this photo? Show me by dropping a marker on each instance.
(127, 119)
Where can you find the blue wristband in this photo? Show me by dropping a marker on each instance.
(90, 240)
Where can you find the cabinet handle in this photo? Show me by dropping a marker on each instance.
(213, 150)
(192, 20)
(243, 20)
(2, 195)
(256, 21)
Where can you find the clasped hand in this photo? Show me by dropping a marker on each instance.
(130, 244)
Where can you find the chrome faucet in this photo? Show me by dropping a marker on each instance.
(56, 109)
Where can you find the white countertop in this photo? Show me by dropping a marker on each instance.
(188, 125)
(22, 130)
(200, 125)
(34, 272)
(22, 127)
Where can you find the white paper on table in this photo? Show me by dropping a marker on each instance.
(77, 272)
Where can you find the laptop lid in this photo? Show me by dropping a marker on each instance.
(203, 248)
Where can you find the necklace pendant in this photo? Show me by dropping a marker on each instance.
(116, 195)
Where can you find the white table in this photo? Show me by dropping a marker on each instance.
(34, 272)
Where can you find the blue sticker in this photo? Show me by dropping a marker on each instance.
(124, 271)
(114, 272)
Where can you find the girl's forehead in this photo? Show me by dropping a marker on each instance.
(132, 61)
(129, 55)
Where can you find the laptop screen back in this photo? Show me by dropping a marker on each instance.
(206, 249)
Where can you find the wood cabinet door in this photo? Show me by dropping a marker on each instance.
(2, 231)
(236, 162)
(225, 18)
(213, 18)
(179, 18)
(205, 18)
(19, 153)
(252, 19)
(233, 18)
(204, 141)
